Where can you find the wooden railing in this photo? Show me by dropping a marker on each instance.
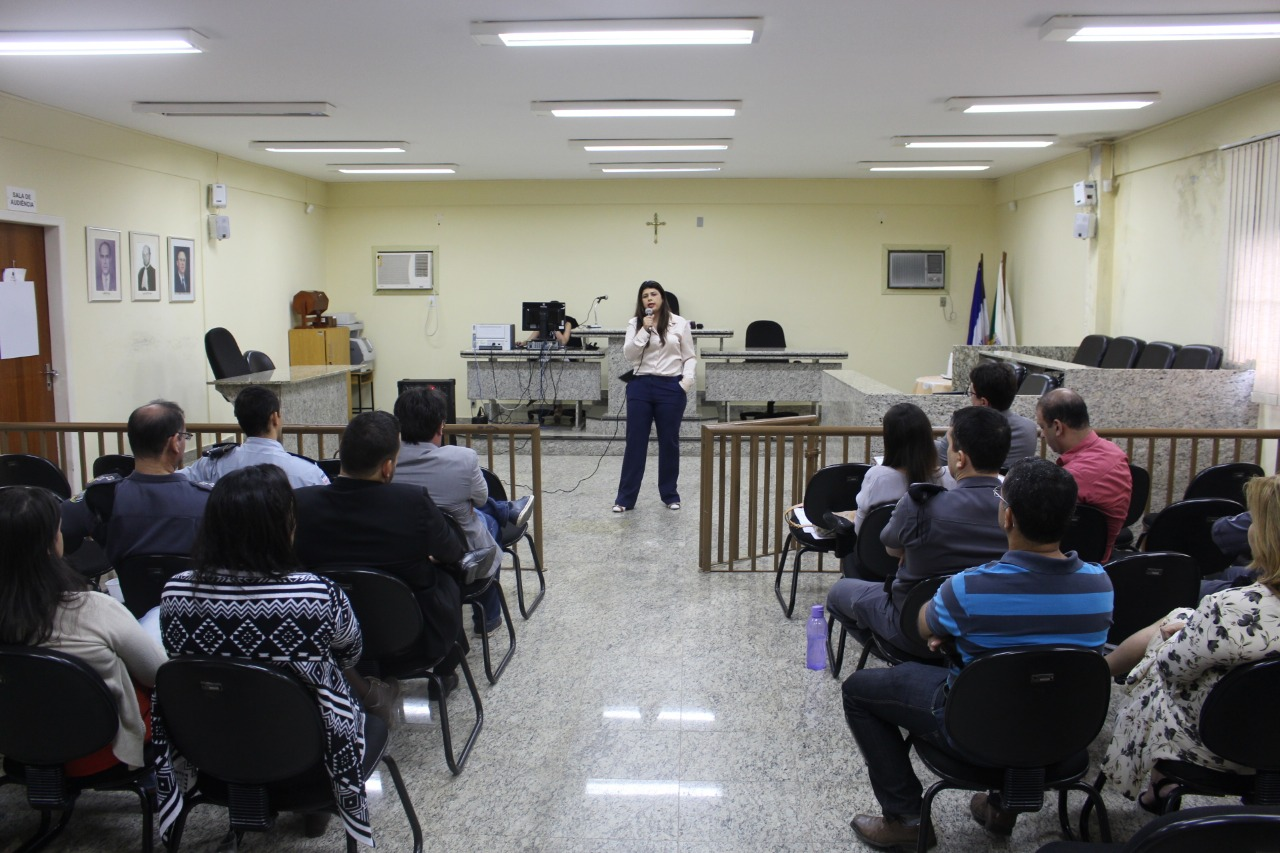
(74, 446)
(751, 473)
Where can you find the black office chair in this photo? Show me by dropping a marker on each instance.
(1091, 350)
(912, 648)
(1222, 481)
(121, 464)
(252, 763)
(1198, 357)
(766, 334)
(1147, 586)
(1086, 533)
(1122, 353)
(224, 354)
(392, 625)
(1239, 829)
(673, 302)
(54, 708)
(1138, 496)
(25, 469)
(831, 489)
(1186, 527)
(330, 467)
(1037, 385)
(258, 361)
(1232, 727)
(869, 561)
(1157, 355)
(475, 594)
(143, 576)
(511, 536)
(1023, 719)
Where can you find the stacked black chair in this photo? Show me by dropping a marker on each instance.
(224, 354)
(913, 648)
(25, 469)
(1187, 528)
(55, 708)
(1232, 727)
(869, 562)
(143, 576)
(1147, 586)
(510, 536)
(831, 489)
(1122, 353)
(253, 763)
(766, 334)
(1141, 491)
(1091, 350)
(1023, 719)
(392, 625)
(1198, 357)
(1239, 829)
(1222, 481)
(1086, 533)
(120, 464)
(1157, 355)
(1037, 384)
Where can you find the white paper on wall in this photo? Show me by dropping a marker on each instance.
(19, 334)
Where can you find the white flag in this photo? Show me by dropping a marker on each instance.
(1002, 330)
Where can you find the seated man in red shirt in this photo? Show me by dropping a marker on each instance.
(1100, 468)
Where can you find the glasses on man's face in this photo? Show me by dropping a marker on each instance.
(185, 436)
(972, 393)
(1000, 496)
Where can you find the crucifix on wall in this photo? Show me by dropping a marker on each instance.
(656, 225)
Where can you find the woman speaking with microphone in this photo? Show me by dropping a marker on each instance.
(660, 346)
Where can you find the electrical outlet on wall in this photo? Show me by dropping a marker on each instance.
(431, 301)
(942, 301)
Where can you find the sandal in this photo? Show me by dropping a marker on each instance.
(1155, 799)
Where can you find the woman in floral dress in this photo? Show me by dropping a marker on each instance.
(1173, 664)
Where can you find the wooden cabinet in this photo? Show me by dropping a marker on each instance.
(320, 346)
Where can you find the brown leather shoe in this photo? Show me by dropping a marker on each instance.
(996, 820)
(887, 833)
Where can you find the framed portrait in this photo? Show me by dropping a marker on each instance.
(102, 250)
(182, 269)
(145, 279)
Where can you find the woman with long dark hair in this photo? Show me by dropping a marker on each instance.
(659, 346)
(248, 598)
(910, 456)
(43, 602)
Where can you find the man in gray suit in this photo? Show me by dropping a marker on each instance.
(993, 384)
(452, 476)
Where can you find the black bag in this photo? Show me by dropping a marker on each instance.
(628, 376)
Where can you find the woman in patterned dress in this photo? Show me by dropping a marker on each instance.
(1173, 664)
(247, 598)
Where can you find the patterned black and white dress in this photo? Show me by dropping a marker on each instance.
(299, 622)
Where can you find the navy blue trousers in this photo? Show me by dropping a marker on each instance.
(652, 401)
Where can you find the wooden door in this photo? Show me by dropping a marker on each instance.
(26, 386)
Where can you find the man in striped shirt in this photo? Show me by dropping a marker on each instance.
(1033, 595)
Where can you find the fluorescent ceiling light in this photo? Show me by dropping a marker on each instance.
(927, 166)
(632, 168)
(1054, 103)
(974, 141)
(236, 109)
(383, 169)
(640, 31)
(643, 145)
(320, 147)
(637, 109)
(1161, 27)
(100, 43)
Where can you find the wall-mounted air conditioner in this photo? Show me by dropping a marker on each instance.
(915, 269)
(404, 269)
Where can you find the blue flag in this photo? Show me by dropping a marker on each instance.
(979, 326)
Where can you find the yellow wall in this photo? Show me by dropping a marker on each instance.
(1162, 278)
(93, 174)
(807, 254)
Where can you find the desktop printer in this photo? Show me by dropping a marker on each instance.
(497, 336)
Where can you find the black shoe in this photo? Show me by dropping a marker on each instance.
(450, 685)
(315, 823)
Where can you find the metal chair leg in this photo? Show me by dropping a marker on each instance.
(835, 660)
(456, 763)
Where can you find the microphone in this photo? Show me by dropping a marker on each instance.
(601, 298)
(648, 312)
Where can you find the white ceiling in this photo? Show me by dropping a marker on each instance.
(828, 84)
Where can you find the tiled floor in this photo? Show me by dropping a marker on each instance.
(649, 707)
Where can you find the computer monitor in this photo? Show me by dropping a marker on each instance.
(543, 318)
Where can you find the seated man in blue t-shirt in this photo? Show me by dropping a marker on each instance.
(1001, 604)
